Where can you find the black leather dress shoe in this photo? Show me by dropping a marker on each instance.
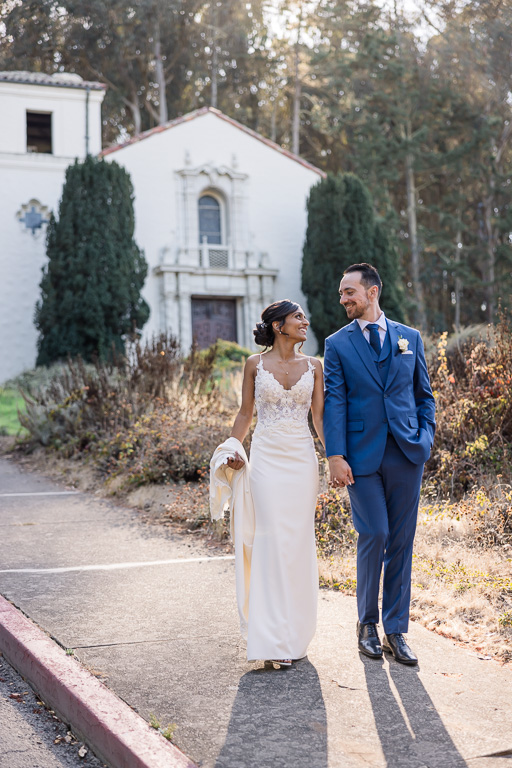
(368, 640)
(395, 644)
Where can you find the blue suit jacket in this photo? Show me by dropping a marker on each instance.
(360, 409)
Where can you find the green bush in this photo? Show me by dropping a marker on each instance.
(230, 350)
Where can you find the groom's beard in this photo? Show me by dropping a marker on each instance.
(355, 311)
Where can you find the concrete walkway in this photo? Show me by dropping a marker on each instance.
(154, 615)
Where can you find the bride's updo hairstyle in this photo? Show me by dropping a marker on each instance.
(277, 312)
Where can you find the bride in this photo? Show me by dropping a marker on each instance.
(282, 585)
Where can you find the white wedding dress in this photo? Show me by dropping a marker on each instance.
(284, 485)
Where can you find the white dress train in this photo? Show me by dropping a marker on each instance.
(284, 486)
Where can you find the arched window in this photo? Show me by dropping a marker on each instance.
(210, 220)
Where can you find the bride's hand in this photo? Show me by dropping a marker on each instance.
(235, 462)
(340, 472)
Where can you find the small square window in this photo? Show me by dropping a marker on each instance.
(39, 132)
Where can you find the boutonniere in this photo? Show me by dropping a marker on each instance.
(403, 344)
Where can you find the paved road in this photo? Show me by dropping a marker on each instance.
(31, 736)
(154, 614)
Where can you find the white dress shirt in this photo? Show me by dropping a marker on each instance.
(381, 322)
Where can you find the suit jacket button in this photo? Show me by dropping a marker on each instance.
(386, 395)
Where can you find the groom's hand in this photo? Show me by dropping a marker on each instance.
(340, 472)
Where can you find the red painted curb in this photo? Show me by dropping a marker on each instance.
(114, 732)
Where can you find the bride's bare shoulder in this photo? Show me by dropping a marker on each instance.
(252, 362)
(316, 363)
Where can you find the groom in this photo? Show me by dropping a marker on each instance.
(379, 427)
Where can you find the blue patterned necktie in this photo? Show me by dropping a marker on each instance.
(374, 337)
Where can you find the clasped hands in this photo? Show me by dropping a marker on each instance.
(340, 472)
(339, 469)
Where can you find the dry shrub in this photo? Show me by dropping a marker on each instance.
(473, 391)
(483, 518)
(152, 416)
(333, 522)
(81, 402)
(163, 445)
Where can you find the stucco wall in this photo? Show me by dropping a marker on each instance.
(23, 177)
(67, 106)
(22, 256)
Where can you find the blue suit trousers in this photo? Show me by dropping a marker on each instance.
(384, 510)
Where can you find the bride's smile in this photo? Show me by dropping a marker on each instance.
(296, 325)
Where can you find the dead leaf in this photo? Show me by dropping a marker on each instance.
(82, 751)
(17, 697)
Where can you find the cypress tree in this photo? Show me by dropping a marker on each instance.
(90, 290)
(342, 230)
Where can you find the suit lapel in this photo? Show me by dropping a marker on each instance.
(363, 350)
(396, 357)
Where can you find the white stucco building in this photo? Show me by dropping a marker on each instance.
(45, 123)
(220, 212)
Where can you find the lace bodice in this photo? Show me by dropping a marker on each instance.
(280, 408)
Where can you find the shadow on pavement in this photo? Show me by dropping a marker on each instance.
(278, 720)
(417, 739)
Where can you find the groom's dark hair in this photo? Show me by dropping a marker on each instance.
(369, 275)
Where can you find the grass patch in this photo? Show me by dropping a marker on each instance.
(167, 732)
(10, 402)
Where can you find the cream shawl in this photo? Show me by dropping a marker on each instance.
(230, 489)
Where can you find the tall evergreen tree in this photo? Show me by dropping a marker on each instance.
(341, 231)
(90, 290)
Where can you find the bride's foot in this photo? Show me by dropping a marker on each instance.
(281, 662)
